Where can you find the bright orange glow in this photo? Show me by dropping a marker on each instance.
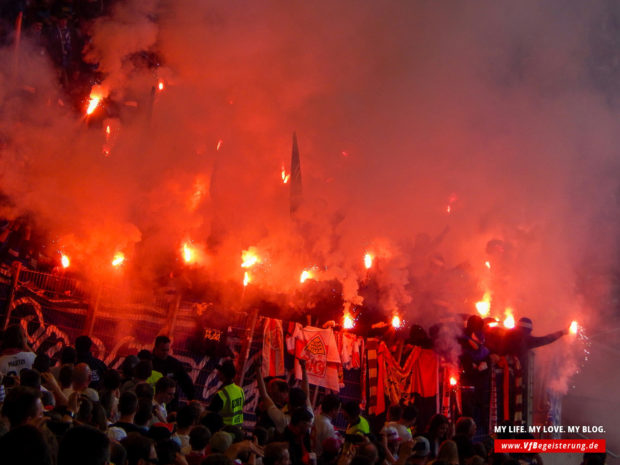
(493, 324)
(487, 264)
(453, 381)
(448, 209)
(574, 327)
(249, 258)
(285, 176)
(509, 321)
(484, 306)
(305, 275)
(64, 261)
(119, 258)
(396, 321)
(368, 261)
(246, 279)
(189, 254)
(347, 321)
(107, 129)
(160, 85)
(219, 145)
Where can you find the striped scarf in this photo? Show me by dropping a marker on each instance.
(518, 370)
(376, 396)
(493, 404)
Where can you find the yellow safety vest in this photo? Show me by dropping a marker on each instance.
(361, 427)
(233, 398)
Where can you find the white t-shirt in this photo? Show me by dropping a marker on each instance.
(16, 362)
(323, 429)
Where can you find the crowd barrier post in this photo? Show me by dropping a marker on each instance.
(9, 304)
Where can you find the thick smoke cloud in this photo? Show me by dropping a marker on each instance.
(505, 112)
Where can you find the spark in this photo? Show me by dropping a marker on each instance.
(368, 261)
(119, 258)
(285, 176)
(487, 264)
(93, 103)
(246, 279)
(305, 275)
(249, 258)
(188, 253)
(160, 85)
(107, 129)
(453, 381)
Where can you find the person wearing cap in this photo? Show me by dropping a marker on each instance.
(229, 400)
(356, 424)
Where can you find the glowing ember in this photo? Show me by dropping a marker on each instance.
(64, 261)
(160, 85)
(348, 322)
(188, 253)
(107, 129)
(574, 327)
(305, 275)
(119, 258)
(219, 145)
(396, 321)
(509, 321)
(448, 209)
(368, 261)
(453, 381)
(285, 176)
(249, 258)
(487, 264)
(484, 306)
(246, 279)
(493, 324)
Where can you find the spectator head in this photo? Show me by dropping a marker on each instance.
(83, 344)
(65, 375)
(330, 405)
(351, 410)
(448, 452)
(81, 377)
(213, 422)
(199, 438)
(220, 442)
(277, 453)
(474, 324)
(167, 451)
(118, 455)
(187, 416)
(42, 363)
(438, 427)
(236, 432)
(297, 398)
(109, 402)
(140, 449)
(144, 412)
(465, 426)
(410, 413)
(227, 371)
(421, 448)
(128, 365)
(22, 405)
(85, 410)
(14, 337)
(368, 451)
(111, 380)
(301, 421)
(143, 370)
(165, 389)
(146, 355)
(68, 355)
(30, 378)
(278, 391)
(127, 404)
(525, 324)
(144, 390)
(161, 349)
(25, 445)
(83, 445)
(395, 413)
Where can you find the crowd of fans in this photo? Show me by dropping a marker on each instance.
(73, 409)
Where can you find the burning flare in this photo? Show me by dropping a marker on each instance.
(160, 85)
(368, 261)
(284, 175)
(453, 381)
(574, 327)
(64, 261)
(246, 279)
(487, 264)
(484, 306)
(95, 97)
(305, 275)
(189, 254)
(347, 321)
(219, 145)
(119, 258)
(396, 322)
(249, 258)
(509, 321)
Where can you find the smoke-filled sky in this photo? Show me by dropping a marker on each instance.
(504, 111)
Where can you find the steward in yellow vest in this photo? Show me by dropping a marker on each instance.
(229, 400)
